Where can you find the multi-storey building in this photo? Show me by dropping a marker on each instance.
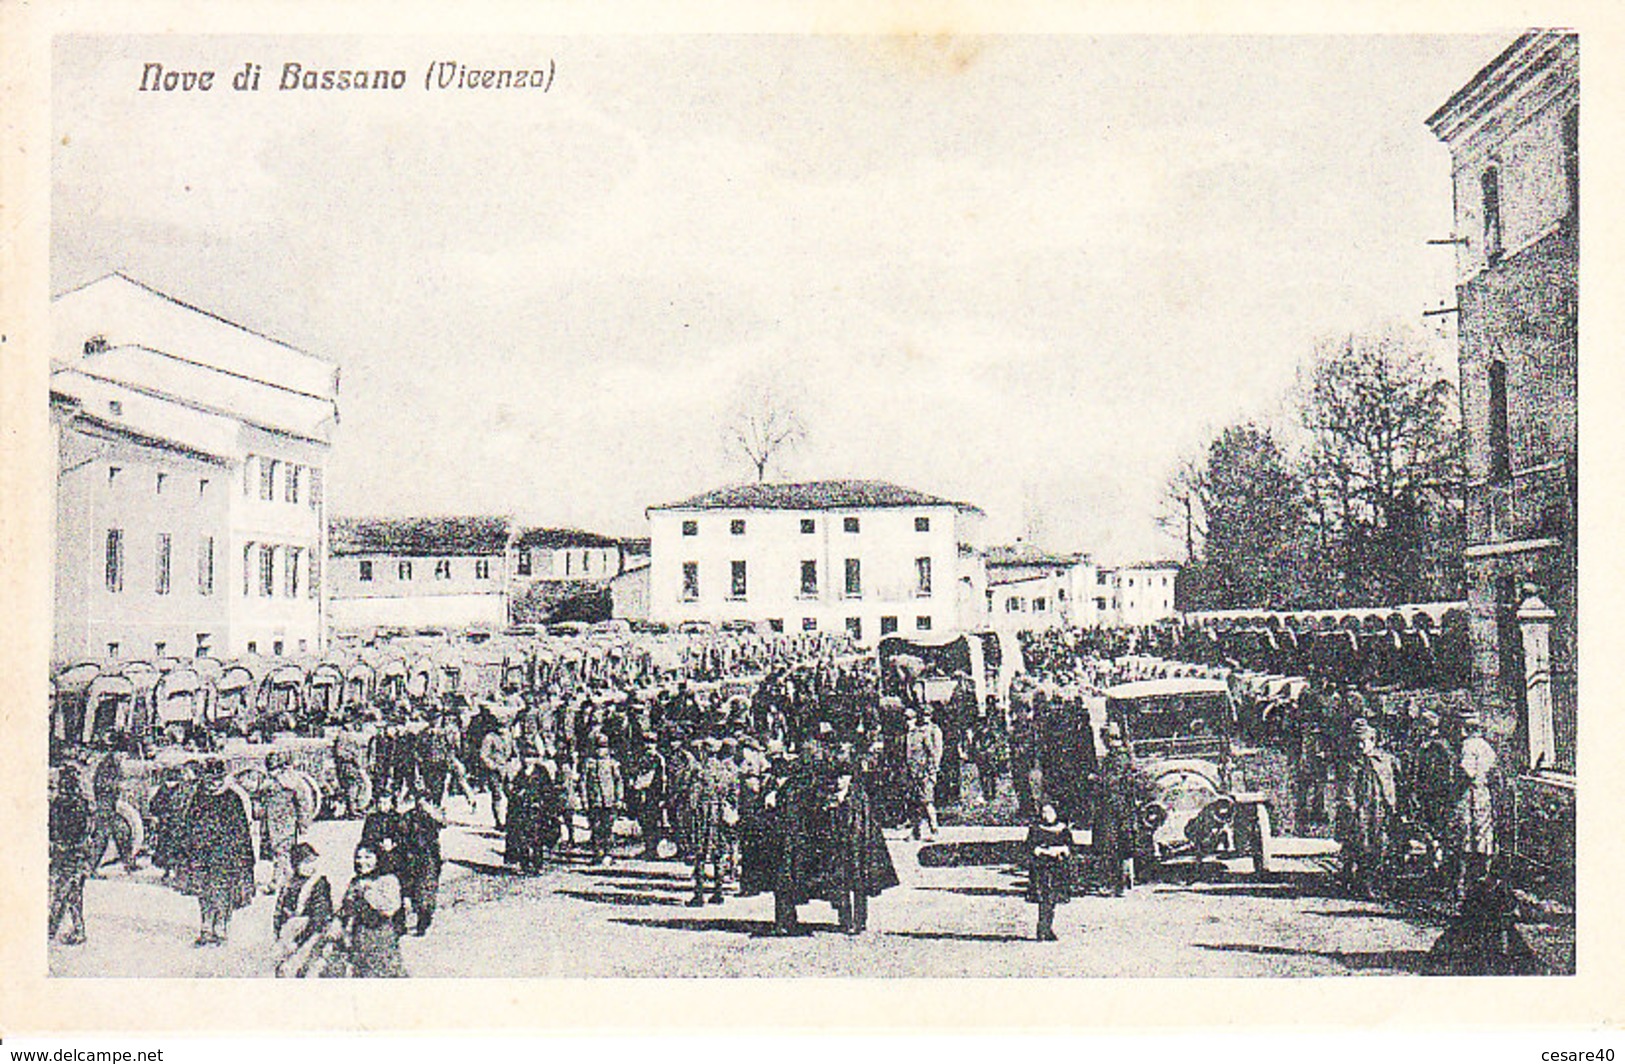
(1144, 593)
(860, 556)
(419, 572)
(191, 456)
(1029, 589)
(1513, 135)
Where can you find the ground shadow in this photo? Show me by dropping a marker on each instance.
(959, 854)
(959, 936)
(730, 925)
(640, 873)
(1017, 891)
(1408, 961)
(1283, 887)
(620, 897)
(487, 868)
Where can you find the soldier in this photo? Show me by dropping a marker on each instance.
(1374, 795)
(1475, 811)
(923, 752)
(1115, 807)
(350, 763)
(716, 810)
(107, 785)
(70, 831)
(647, 798)
(604, 794)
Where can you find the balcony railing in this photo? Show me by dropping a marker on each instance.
(1533, 504)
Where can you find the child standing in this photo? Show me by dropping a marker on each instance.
(1049, 880)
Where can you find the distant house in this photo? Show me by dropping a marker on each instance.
(419, 572)
(1145, 593)
(1030, 589)
(563, 574)
(861, 556)
(629, 592)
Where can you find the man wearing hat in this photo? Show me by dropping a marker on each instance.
(70, 829)
(1117, 799)
(716, 815)
(217, 865)
(647, 800)
(605, 794)
(923, 754)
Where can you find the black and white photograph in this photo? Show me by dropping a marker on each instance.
(769, 506)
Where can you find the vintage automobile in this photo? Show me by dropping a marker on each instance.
(1189, 805)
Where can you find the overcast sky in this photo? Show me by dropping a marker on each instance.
(1025, 272)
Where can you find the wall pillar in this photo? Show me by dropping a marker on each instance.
(1535, 623)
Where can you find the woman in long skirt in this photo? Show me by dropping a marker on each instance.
(1049, 880)
(370, 919)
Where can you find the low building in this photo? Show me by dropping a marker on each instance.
(1030, 589)
(412, 573)
(190, 502)
(1144, 593)
(860, 556)
(563, 574)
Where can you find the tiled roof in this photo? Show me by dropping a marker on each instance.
(556, 538)
(1026, 554)
(419, 536)
(814, 495)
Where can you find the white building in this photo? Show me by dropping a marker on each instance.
(1030, 589)
(412, 573)
(191, 453)
(860, 556)
(1144, 593)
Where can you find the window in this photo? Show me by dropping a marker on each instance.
(112, 474)
(313, 586)
(366, 570)
(775, 624)
(569, 563)
(115, 559)
(1012, 605)
(202, 487)
(1131, 581)
(1039, 605)
(403, 570)
(737, 585)
(202, 650)
(736, 527)
(1100, 604)
(1500, 442)
(482, 568)
(854, 627)
(524, 562)
(854, 578)
(304, 645)
(268, 471)
(691, 581)
(442, 569)
(159, 648)
(1165, 581)
(205, 565)
(1100, 578)
(290, 485)
(888, 625)
(248, 476)
(809, 624)
(1060, 594)
(115, 408)
(276, 648)
(248, 567)
(267, 572)
(850, 524)
(922, 524)
(691, 528)
(922, 623)
(290, 571)
(809, 578)
(1491, 187)
(112, 651)
(158, 483)
(922, 577)
(808, 526)
(315, 492)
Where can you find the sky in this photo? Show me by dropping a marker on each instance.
(1024, 272)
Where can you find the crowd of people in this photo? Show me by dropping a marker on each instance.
(778, 781)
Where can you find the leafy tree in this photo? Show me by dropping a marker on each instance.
(1253, 554)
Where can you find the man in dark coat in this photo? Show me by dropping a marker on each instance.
(70, 828)
(796, 806)
(384, 832)
(860, 866)
(421, 821)
(1117, 795)
(646, 794)
(218, 854)
(166, 814)
(716, 813)
(107, 784)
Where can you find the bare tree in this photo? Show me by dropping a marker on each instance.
(1184, 502)
(762, 427)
